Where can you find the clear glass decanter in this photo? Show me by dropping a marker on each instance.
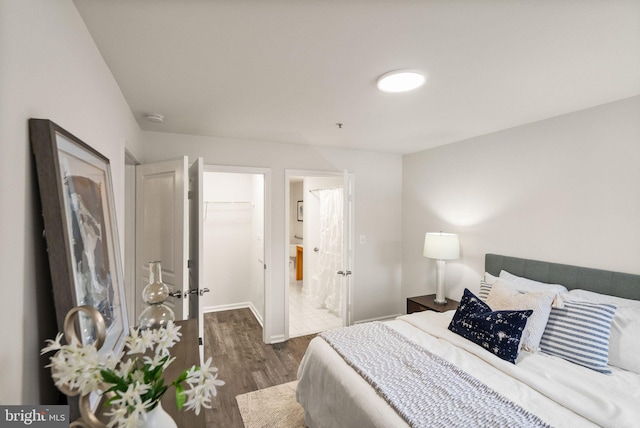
(157, 314)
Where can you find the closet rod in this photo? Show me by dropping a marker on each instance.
(206, 205)
(228, 202)
(326, 188)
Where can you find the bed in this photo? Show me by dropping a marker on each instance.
(545, 387)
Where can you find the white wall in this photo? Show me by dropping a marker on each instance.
(50, 69)
(564, 190)
(378, 180)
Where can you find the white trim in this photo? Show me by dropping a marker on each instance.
(384, 318)
(278, 339)
(352, 237)
(129, 158)
(266, 172)
(232, 306)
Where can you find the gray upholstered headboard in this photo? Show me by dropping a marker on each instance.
(600, 281)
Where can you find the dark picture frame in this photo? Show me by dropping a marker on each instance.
(76, 193)
(300, 211)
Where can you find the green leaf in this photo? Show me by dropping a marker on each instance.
(181, 378)
(111, 377)
(181, 397)
(108, 402)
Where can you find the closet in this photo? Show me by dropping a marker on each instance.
(233, 241)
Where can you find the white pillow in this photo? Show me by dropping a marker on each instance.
(490, 279)
(529, 285)
(624, 342)
(504, 297)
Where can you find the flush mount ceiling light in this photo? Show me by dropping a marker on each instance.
(157, 118)
(401, 80)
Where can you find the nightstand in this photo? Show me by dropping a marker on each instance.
(426, 303)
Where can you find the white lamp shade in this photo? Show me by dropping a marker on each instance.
(441, 246)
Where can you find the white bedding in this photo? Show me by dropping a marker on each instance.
(561, 393)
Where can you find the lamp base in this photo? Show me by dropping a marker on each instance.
(440, 299)
(440, 302)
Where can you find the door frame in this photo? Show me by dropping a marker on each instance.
(133, 298)
(288, 174)
(267, 326)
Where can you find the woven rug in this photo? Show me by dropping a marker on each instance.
(271, 407)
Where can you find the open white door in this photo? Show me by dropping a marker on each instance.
(162, 227)
(195, 247)
(347, 248)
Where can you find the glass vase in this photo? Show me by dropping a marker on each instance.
(157, 314)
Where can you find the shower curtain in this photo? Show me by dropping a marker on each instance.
(327, 284)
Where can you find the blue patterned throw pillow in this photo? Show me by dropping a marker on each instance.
(498, 332)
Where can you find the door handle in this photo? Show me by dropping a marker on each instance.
(176, 294)
(199, 291)
(191, 291)
(344, 273)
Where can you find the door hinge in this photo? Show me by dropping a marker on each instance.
(189, 264)
(200, 341)
(265, 267)
(190, 194)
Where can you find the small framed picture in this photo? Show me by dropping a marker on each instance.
(300, 211)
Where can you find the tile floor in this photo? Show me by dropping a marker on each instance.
(304, 318)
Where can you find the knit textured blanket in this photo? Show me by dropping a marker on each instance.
(425, 389)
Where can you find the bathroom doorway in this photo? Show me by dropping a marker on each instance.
(234, 237)
(317, 289)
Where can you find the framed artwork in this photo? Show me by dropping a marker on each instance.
(80, 230)
(300, 211)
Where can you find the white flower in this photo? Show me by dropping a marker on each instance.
(149, 338)
(124, 368)
(116, 414)
(137, 376)
(197, 398)
(139, 341)
(83, 369)
(77, 367)
(132, 395)
(157, 361)
(167, 337)
(128, 408)
(203, 382)
(131, 422)
(54, 345)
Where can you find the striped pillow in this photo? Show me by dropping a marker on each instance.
(579, 333)
(485, 288)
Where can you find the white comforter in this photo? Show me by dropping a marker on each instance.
(561, 393)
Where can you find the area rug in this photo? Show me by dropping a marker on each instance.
(271, 407)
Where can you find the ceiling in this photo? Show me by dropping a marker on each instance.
(289, 71)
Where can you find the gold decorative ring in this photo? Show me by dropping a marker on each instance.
(98, 323)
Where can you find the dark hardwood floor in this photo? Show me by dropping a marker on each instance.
(234, 340)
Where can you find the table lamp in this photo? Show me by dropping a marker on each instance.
(441, 246)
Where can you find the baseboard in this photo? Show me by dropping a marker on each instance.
(232, 306)
(277, 339)
(384, 318)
